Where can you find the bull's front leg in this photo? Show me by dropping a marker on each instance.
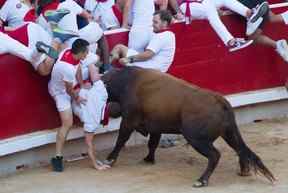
(152, 145)
(124, 134)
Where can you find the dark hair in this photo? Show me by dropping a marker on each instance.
(165, 15)
(79, 46)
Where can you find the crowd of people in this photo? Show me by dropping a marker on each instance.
(65, 39)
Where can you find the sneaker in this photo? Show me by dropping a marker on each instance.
(57, 164)
(259, 11)
(63, 35)
(252, 27)
(239, 43)
(256, 18)
(54, 16)
(282, 49)
(46, 49)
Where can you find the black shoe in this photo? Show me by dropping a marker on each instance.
(57, 164)
(46, 49)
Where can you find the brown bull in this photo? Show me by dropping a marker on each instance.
(153, 103)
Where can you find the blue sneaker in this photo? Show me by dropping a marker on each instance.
(54, 16)
(63, 35)
(46, 49)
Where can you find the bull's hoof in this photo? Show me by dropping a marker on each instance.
(148, 160)
(200, 184)
(109, 162)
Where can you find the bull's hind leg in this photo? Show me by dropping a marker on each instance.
(212, 154)
(152, 145)
(204, 147)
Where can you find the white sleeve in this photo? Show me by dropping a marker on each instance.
(4, 12)
(73, 7)
(156, 43)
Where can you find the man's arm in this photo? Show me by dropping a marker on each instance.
(126, 10)
(146, 55)
(104, 49)
(93, 73)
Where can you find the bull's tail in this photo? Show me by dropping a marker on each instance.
(247, 158)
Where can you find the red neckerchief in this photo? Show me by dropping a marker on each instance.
(68, 57)
(30, 16)
(51, 6)
(188, 11)
(117, 12)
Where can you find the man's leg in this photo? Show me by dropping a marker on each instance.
(62, 132)
(216, 23)
(91, 152)
(10, 46)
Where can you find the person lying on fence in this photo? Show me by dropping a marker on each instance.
(16, 13)
(258, 36)
(91, 32)
(207, 9)
(61, 88)
(159, 53)
(27, 42)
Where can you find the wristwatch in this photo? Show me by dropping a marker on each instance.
(131, 59)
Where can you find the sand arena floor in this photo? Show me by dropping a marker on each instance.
(174, 172)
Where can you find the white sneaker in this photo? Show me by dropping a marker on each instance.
(239, 43)
(252, 27)
(256, 18)
(282, 49)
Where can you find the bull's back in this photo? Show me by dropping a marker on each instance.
(166, 97)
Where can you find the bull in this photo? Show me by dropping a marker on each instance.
(153, 103)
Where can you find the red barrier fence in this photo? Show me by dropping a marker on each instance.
(201, 58)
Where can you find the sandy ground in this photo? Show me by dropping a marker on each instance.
(175, 171)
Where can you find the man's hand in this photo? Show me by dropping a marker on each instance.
(124, 61)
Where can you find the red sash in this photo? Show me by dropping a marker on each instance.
(51, 6)
(188, 11)
(20, 34)
(30, 16)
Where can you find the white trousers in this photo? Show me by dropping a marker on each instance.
(92, 112)
(208, 10)
(29, 53)
(139, 38)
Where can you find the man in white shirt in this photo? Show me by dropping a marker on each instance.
(66, 73)
(17, 12)
(104, 11)
(159, 53)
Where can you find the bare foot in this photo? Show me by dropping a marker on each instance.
(100, 166)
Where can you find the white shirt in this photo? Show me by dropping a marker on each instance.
(13, 12)
(141, 14)
(103, 11)
(163, 45)
(62, 72)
